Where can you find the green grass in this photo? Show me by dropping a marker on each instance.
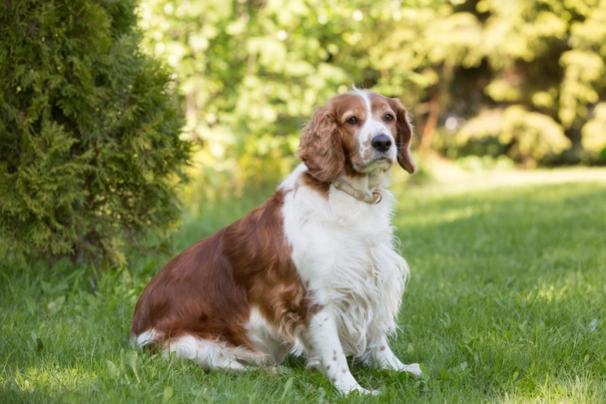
(506, 304)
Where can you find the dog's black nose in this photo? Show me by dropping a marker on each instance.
(381, 143)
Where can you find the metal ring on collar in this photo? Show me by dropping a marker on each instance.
(376, 197)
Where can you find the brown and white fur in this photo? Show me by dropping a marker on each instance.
(312, 272)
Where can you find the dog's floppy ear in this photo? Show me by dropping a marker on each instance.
(321, 149)
(403, 137)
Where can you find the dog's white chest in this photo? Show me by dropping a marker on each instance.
(344, 252)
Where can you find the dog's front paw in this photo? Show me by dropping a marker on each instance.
(414, 369)
(364, 392)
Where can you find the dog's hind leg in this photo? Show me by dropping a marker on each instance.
(213, 354)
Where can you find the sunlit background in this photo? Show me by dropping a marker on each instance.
(490, 84)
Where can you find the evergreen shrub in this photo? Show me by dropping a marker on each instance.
(90, 148)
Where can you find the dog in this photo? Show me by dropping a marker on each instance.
(312, 272)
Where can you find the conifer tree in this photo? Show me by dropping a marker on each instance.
(90, 152)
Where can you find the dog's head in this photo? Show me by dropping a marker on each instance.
(359, 132)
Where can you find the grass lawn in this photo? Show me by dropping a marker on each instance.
(506, 304)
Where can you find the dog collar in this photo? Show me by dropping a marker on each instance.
(370, 197)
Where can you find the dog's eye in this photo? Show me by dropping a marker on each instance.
(352, 121)
(388, 117)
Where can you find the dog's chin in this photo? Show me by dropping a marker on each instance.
(380, 164)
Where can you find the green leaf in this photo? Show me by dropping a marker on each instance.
(168, 394)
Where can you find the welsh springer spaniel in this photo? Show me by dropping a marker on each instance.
(312, 272)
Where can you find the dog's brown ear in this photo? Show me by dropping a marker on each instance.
(403, 137)
(321, 149)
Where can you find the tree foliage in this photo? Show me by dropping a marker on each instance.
(253, 70)
(89, 132)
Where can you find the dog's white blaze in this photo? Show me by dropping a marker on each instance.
(371, 128)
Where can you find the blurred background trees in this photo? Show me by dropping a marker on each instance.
(519, 78)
